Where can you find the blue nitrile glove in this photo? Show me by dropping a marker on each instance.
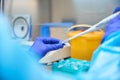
(42, 45)
(113, 26)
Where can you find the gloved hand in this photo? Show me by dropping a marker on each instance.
(42, 45)
(113, 25)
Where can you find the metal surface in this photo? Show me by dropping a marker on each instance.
(82, 11)
(1, 6)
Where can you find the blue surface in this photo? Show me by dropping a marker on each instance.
(62, 24)
(71, 66)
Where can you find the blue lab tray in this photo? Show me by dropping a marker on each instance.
(71, 66)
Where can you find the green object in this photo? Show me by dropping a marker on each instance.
(71, 66)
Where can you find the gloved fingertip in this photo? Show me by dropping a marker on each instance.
(63, 44)
(116, 9)
(58, 46)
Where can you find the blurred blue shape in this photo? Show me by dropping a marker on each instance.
(106, 59)
(16, 61)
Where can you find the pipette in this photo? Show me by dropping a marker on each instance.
(49, 57)
(95, 27)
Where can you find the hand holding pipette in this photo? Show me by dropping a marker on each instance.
(95, 27)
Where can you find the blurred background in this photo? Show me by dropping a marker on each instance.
(78, 11)
(50, 18)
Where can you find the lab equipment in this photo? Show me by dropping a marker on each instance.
(43, 45)
(55, 55)
(22, 26)
(71, 66)
(80, 47)
(95, 27)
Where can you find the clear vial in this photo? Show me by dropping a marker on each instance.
(67, 63)
(75, 67)
(60, 65)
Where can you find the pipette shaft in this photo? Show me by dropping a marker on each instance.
(95, 27)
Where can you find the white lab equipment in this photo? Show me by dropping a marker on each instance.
(22, 26)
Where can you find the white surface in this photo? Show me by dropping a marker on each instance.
(20, 28)
(56, 55)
